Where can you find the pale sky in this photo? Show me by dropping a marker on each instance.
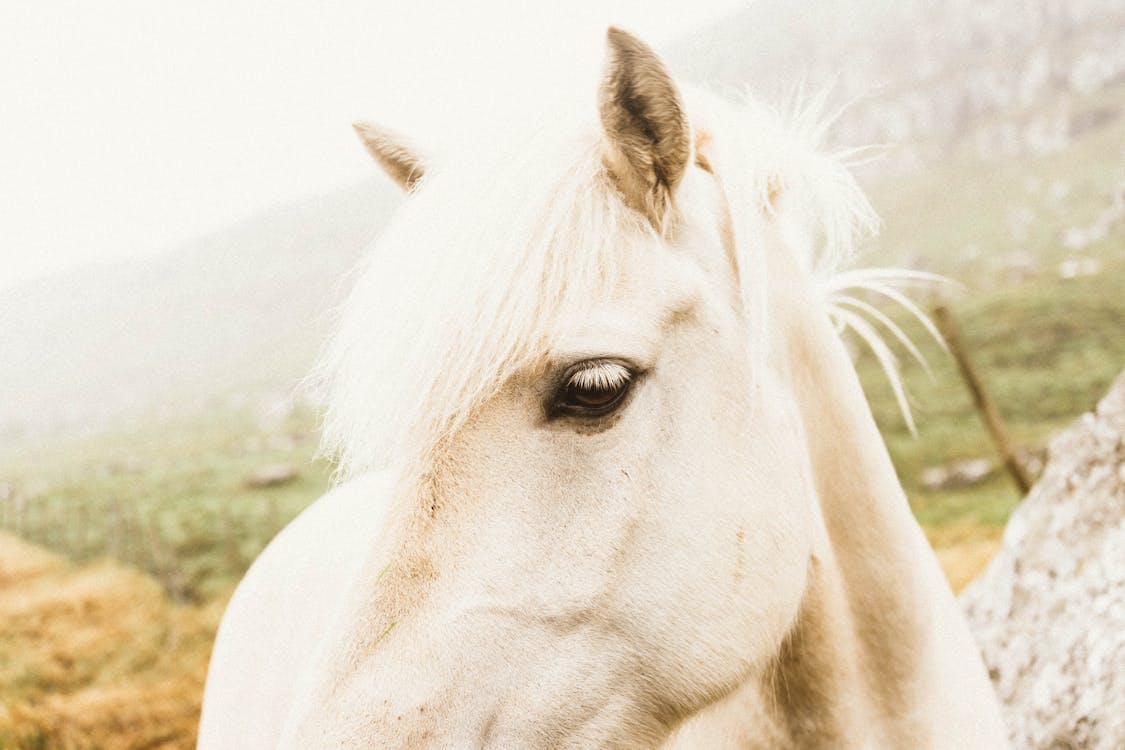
(130, 126)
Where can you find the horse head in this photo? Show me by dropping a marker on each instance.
(636, 493)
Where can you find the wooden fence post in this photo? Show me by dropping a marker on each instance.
(987, 407)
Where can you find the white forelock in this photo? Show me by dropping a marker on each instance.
(489, 258)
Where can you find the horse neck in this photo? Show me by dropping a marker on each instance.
(858, 647)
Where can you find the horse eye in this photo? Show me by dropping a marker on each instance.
(592, 389)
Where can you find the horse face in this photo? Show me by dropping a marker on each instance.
(618, 536)
(622, 530)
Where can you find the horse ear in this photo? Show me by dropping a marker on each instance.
(649, 139)
(392, 153)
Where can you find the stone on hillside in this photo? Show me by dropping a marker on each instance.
(1076, 268)
(272, 475)
(960, 472)
(1049, 611)
(123, 466)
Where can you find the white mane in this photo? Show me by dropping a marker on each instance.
(488, 258)
(467, 285)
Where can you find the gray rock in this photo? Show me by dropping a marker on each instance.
(960, 472)
(1049, 611)
(272, 475)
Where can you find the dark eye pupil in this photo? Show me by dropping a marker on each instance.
(593, 388)
(592, 397)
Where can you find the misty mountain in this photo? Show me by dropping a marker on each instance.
(233, 318)
(995, 78)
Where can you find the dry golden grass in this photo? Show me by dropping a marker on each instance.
(96, 656)
(964, 549)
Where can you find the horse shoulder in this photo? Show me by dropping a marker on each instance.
(280, 611)
(961, 697)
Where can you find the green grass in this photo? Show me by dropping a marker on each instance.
(1047, 351)
(1047, 348)
(171, 500)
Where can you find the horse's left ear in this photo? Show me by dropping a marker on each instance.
(649, 139)
(392, 153)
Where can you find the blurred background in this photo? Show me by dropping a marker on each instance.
(183, 198)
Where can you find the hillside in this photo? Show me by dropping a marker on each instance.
(232, 320)
(136, 400)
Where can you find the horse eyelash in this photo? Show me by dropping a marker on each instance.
(601, 376)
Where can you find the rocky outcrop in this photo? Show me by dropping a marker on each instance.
(1049, 611)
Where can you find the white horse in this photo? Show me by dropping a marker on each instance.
(609, 479)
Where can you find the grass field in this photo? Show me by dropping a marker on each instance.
(1047, 347)
(104, 640)
(173, 500)
(151, 530)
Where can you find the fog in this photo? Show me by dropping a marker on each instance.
(130, 127)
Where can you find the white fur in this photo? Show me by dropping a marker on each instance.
(729, 561)
(471, 281)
